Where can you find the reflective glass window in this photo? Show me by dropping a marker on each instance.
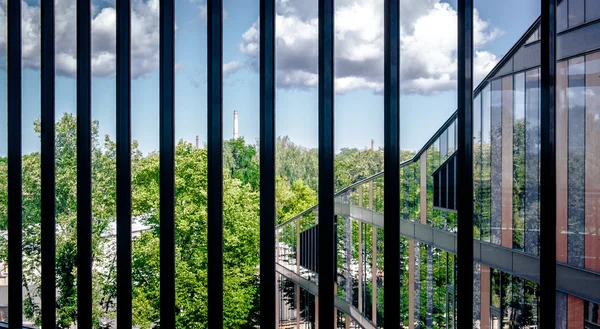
(576, 12)
(496, 162)
(592, 10)
(576, 161)
(562, 21)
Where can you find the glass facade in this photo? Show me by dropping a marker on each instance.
(510, 213)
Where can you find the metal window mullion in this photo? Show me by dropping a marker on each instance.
(548, 165)
(215, 163)
(14, 188)
(267, 164)
(84, 165)
(326, 170)
(167, 164)
(123, 86)
(392, 161)
(48, 169)
(465, 165)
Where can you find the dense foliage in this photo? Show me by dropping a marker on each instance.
(241, 230)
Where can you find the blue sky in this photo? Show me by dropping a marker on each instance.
(427, 101)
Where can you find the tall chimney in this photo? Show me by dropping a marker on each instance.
(372, 144)
(197, 141)
(236, 134)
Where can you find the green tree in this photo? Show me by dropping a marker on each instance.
(352, 165)
(103, 209)
(292, 199)
(241, 243)
(241, 161)
(294, 162)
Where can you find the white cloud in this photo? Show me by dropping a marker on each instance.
(231, 67)
(428, 45)
(144, 38)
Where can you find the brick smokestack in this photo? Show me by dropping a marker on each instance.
(372, 144)
(197, 141)
(236, 134)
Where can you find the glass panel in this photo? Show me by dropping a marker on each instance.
(592, 10)
(496, 161)
(477, 168)
(535, 36)
(562, 85)
(505, 172)
(576, 12)
(444, 146)
(577, 147)
(432, 294)
(520, 302)
(562, 19)
(576, 162)
(444, 187)
(592, 161)
(486, 165)
(519, 170)
(452, 138)
(451, 183)
(507, 161)
(532, 161)
(436, 189)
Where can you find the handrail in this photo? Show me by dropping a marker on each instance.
(417, 155)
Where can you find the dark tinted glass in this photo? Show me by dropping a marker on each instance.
(451, 183)
(444, 186)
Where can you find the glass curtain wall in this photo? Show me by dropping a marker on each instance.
(506, 159)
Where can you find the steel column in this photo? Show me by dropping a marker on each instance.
(215, 163)
(14, 188)
(48, 170)
(548, 165)
(327, 275)
(167, 164)
(464, 292)
(267, 165)
(392, 161)
(84, 164)
(123, 91)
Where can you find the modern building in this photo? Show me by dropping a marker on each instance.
(506, 201)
